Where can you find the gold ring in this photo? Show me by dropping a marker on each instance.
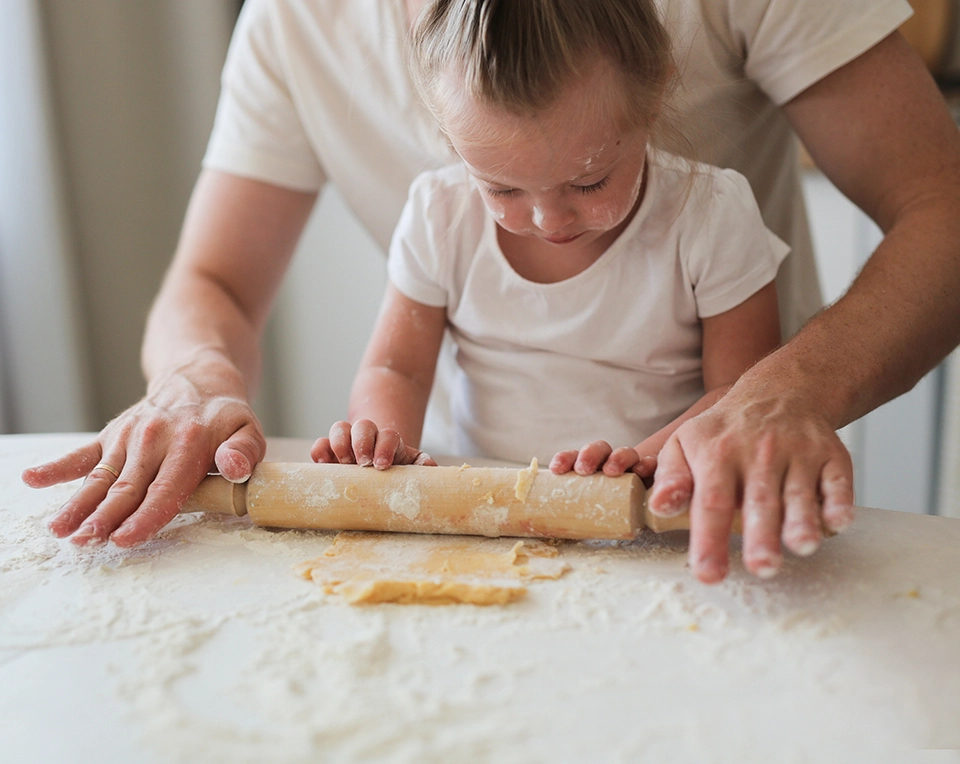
(104, 466)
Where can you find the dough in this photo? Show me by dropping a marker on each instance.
(369, 568)
(525, 478)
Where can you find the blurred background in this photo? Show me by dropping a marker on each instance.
(105, 110)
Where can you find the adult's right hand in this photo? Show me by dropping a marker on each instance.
(161, 448)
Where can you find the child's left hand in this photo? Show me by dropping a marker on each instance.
(601, 456)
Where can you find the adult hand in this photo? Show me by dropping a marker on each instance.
(365, 444)
(767, 455)
(161, 448)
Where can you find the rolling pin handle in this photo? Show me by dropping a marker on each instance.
(219, 495)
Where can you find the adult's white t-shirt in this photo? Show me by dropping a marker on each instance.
(317, 90)
(613, 353)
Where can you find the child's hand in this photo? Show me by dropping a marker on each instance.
(365, 444)
(600, 455)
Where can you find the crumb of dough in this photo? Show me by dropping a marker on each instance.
(913, 593)
(525, 478)
(488, 497)
(463, 467)
(476, 481)
(372, 568)
(351, 493)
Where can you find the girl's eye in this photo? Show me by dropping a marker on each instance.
(593, 187)
(501, 191)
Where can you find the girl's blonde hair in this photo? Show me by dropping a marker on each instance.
(518, 55)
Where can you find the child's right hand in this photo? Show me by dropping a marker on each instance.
(365, 444)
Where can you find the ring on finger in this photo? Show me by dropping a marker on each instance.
(109, 468)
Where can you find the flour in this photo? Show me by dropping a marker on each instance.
(406, 501)
(212, 644)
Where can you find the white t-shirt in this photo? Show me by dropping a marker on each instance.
(613, 353)
(317, 90)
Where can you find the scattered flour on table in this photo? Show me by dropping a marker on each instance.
(309, 675)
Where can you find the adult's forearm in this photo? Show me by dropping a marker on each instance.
(899, 319)
(194, 323)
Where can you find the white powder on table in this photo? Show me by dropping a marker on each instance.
(221, 648)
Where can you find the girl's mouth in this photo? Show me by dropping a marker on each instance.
(561, 239)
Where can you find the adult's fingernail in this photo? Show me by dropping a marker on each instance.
(676, 503)
(841, 520)
(87, 537)
(767, 564)
(365, 461)
(807, 546)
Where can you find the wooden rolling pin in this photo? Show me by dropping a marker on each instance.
(481, 501)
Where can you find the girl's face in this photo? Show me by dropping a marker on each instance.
(570, 176)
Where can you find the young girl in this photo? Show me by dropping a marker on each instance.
(598, 290)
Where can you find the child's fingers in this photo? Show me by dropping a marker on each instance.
(364, 437)
(321, 451)
(389, 449)
(341, 442)
(621, 460)
(421, 459)
(592, 456)
(563, 461)
(646, 467)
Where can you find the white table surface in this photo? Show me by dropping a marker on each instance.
(204, 646)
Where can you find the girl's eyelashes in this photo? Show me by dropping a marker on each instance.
(593, 187)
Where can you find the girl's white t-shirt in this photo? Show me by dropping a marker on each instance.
(613, 353)
(317, 90)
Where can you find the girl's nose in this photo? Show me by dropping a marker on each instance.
(552, 218)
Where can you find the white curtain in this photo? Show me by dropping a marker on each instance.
(42, 357)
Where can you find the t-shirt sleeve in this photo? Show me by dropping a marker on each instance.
(733, 254)
(257, 132)
(791, 44)
(415, 262)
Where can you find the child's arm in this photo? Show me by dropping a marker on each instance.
(732, 342)
(388, 400)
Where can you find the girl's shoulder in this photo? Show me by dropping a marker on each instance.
(695, 188)
(448, 203)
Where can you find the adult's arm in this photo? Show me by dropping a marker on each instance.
(201, 359)
(879, 129)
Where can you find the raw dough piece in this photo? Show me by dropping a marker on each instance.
(525, 478)
(368, 568)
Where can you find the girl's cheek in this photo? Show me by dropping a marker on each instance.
(606, 216)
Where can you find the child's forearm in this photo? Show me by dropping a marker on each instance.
(390, 399)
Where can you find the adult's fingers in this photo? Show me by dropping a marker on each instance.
(75, 513)
(123, 495)
(71, 466)
(711, 517)
(836, 486)
(673, 484)
(801, 508)
(240, 453)
(168, 491)
(762, 512)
